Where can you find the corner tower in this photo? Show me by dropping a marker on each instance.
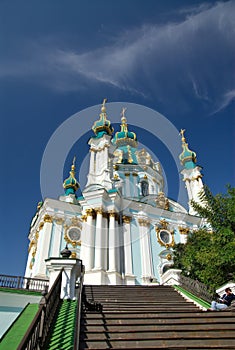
(101, 149)
(191, 173)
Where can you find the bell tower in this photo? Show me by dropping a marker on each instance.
(101, 150)
(191, 173)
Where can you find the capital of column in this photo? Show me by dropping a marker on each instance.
(143, 222)
(59, 221)
(126, 219)
(48, 218)
(127, 174)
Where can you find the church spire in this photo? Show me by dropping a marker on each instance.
(191, 172)
(103, 125)
(125, 137)
(70, 184)
(187, 157)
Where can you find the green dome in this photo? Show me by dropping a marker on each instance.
(102, 126)
(70, 184)
(124, 136)
(187, 157)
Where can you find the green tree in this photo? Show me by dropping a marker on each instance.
(209, 254)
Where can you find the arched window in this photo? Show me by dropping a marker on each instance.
(144, 188)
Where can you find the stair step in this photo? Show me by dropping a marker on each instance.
(156, 317)
(156, 327)
(181, 344)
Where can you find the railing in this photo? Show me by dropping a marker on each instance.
(79, 309)
(197, 288)
(36, 336)
(18, 282)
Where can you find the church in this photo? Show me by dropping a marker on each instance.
(123, 227)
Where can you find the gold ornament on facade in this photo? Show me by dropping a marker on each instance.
(59, 221)
(126, 219)
(143, 222)
(183, 230)
(165, 237)
(48, 218)
(90, 212)
(164, 224)
(98, 211)
(40, 226)
(84, 218)
(73, 255)
(168, 257)
(127, 174)
(76, 221)
(134, 174)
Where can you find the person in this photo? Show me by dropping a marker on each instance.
(223, 302)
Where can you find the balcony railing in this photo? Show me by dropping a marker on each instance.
(24, 283)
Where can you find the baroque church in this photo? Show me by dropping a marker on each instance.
(122, 227)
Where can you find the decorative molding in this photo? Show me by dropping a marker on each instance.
(164, 224)
(171, 242)
(169, 257)
(183, 230)
(98, 211)
(143, 222)
(48, 218)
(84, 218)
(40, 226)
(59, 221)
(126, 219)
(112, 214)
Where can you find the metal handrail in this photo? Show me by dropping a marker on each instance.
(37, 333)
(23, 283)
(197, 288)
(78, 314)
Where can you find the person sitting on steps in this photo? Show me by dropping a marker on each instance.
(224, 302)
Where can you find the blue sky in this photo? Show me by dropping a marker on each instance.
(175, 57)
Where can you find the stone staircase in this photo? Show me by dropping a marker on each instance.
(156, 317)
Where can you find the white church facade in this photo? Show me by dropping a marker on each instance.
(122, 227)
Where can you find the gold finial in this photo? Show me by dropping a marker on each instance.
(123, 114)
(182, 131)
(73, 164)
(103, 108)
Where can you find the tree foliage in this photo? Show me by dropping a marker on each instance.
(209, 254)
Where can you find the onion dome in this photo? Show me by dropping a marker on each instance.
(102, 126)
(124, 136)
(187, 157)
(70, 184)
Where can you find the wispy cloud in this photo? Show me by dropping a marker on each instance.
(194, 55)
(227, 98)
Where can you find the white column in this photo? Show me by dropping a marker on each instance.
(92, 162)
(43, 247)
(98, 240)
(105, 242)
(127, 246)
(146, 258)
(127, 184)
(135, 189)
(112, 252)
(188, 187)
(117, 244)
(90, 240)
(55, 251)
